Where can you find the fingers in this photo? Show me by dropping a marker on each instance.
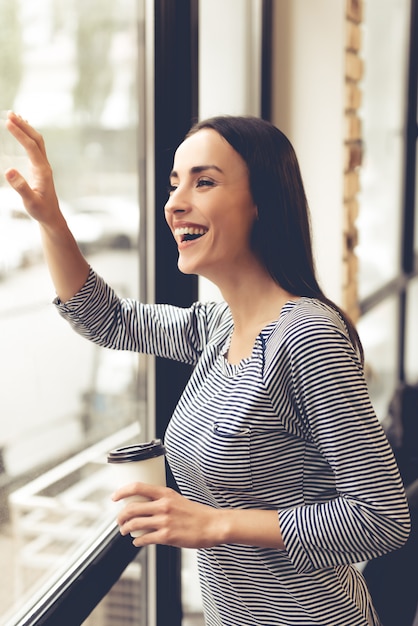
(136, 505)
(143, 517)
(39, 198)
(142, 502)
(26, 135)
(151, 492)
(14, 120)
(19, 184)
(170, 519)
(135, 511)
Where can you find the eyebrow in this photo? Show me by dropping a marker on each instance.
(198, 169)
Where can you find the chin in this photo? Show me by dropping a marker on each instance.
(190, 267)
(186, 268)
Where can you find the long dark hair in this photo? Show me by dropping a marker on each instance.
(281, 236)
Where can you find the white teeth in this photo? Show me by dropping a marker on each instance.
(187, 230)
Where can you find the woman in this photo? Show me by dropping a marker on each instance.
(286, 477)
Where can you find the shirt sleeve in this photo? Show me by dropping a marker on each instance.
(369, 515)
(98, 314)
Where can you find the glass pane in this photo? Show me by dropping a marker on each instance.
(411, 342)
(378, 332)
(126, 601)
(72, 70)
(383, 120)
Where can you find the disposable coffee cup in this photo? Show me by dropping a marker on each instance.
(142, 462)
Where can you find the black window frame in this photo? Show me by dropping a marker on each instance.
(176, 108)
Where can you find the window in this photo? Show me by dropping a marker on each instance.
(388, 199)
(378, 330)
(411, 367)
(383, 116)
(72, 69)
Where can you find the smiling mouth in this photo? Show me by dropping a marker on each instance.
(187, 233)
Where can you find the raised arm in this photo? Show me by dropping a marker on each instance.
(68, 268)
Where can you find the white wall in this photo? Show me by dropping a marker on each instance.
(309, 40)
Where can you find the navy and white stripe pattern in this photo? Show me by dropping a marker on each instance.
(289, 429)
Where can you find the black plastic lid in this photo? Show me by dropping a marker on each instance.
(136, 452)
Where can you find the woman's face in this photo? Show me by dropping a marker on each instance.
(210, 210)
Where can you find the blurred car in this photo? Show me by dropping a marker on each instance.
(20, 242)
(103, 222)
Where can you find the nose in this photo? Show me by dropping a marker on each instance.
(176, 203)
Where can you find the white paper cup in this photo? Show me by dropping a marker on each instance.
(143, 462)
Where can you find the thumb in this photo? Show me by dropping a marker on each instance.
(19, 184)
(15, 180)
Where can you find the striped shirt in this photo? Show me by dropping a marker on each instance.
(291, 429)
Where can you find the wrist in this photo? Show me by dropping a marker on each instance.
(225, 526)
(217, 529)
(248, 527)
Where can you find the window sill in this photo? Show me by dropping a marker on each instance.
(76, 590)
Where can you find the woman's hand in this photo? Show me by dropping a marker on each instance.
(68, 268)
(39, 198)
(171, 519)
(168, 518)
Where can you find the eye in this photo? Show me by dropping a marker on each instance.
(205, 182)
(171, 188)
